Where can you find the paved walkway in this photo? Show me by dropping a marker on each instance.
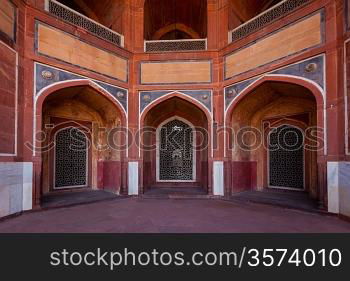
(133, 215)
(288, 199)
(72, 198)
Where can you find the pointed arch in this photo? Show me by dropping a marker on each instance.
(47, 91)
(184, 97)
(175, 26)
(172, 95)
(313, 87)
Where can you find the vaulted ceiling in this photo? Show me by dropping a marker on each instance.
(169, 19)
(244, 10)
(177, 18)
(106, 12)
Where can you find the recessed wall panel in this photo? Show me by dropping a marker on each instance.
(57, 44)
(8, 100)
(7, 19)
(299, 36)
(176, 72)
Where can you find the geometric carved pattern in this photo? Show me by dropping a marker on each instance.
(266, 18)
(75, 18)
(176, 45)
(286, 158)
(176, 152)
(70, 158)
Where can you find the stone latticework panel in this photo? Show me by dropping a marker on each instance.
(75, 18)
(71, 158)
(175, 46)
(176, 152)
(286, 158)
(266, 18)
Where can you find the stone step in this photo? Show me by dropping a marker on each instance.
(177, 196)
(176, 193)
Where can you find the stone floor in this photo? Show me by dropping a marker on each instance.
(135, 215)
(283, 198)
(176, 192)
(75, 197)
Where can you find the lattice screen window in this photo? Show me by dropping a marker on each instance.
(69, 15)
(71, 158)
(175, 45)
(176, 152)
(286, 158)
(277, 12)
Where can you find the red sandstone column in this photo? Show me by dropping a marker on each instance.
(137, 18)
(335, 83)
(223, 16)
(133, 126)
(127, 26)
(217, 30)
(212, 25)
(335, 113)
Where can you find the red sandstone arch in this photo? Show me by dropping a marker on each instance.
(181, 96)
(287, 121)
(203, 158)
(316, 179)
(175, 26)
(308, 84)
(38, 107)
(75, 83)
(68, 84)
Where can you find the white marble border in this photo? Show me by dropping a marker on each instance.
(133, 178)
(218, 178)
